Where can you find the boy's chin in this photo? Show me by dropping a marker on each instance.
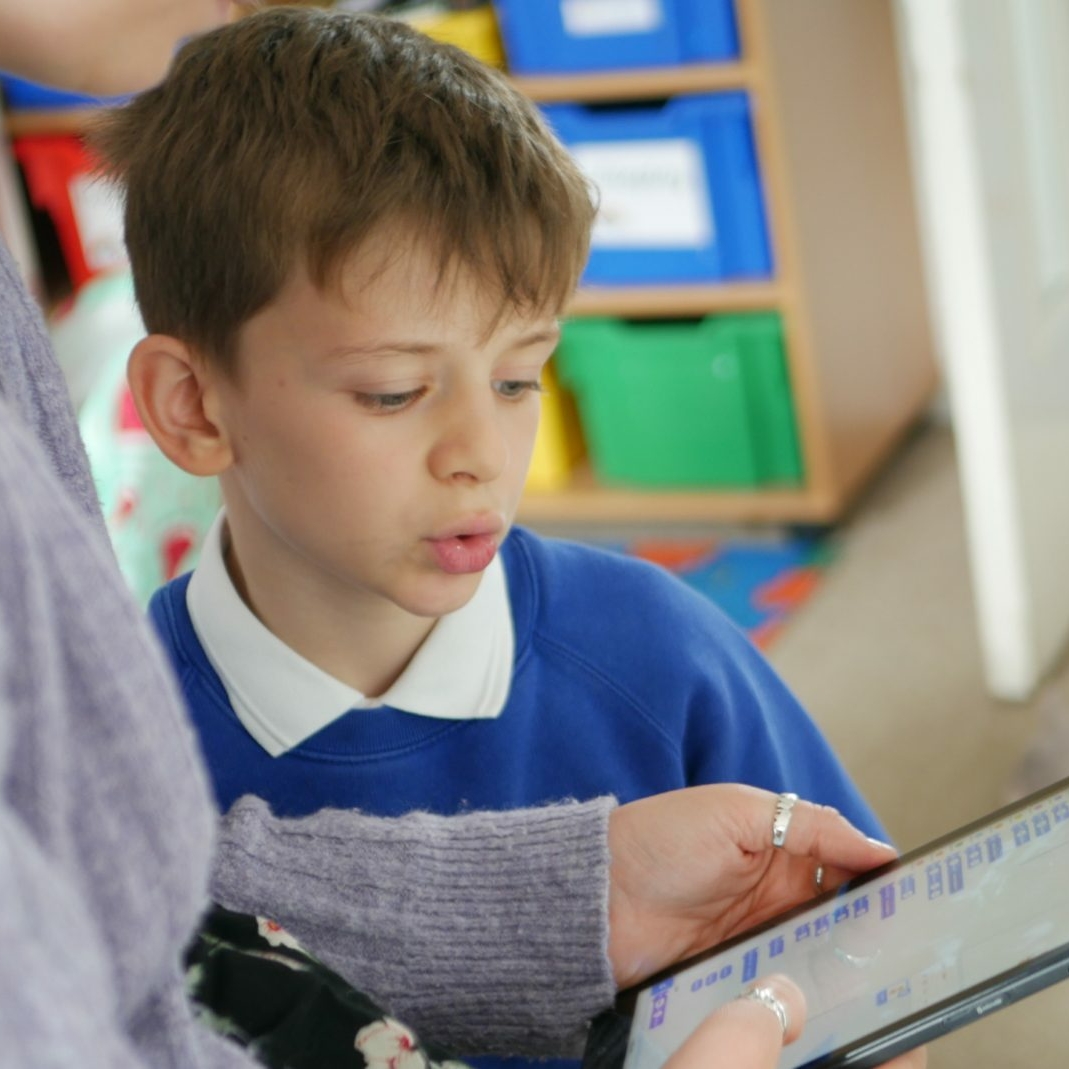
(440, 595)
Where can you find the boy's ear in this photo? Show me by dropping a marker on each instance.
(175, 396)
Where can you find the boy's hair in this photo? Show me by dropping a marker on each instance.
(289, 136)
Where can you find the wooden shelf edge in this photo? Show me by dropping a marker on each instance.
(587, 503)
(642, 84)
(31, 122)
(655, 301)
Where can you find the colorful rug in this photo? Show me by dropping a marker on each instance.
(758, 584)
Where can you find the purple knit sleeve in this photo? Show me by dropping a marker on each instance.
(33, 384)
(487, 932)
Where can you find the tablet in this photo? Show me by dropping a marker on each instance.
(938, 938)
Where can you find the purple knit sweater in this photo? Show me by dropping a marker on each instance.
(108, 841)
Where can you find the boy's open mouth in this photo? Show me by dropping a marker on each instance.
(463, 553)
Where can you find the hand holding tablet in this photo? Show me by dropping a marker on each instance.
(694, 867)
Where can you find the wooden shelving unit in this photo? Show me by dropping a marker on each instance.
(831, 140)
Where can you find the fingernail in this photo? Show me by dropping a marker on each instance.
(882, 845)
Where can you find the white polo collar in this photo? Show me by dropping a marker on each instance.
(461, 672)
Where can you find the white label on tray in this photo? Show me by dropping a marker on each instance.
(97, 208)
(600, 18)
(654, 194)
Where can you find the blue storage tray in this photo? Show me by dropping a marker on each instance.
(544, 36)
(713, 135)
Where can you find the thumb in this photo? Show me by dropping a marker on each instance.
(746, 1033)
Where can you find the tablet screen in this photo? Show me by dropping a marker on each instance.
(901, 946)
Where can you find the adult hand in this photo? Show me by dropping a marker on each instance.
(744, 1034)
(692, 867)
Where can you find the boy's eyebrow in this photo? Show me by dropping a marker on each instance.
(384, 348)
(537, 337)
(417, 348)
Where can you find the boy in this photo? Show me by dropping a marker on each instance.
(351, 245)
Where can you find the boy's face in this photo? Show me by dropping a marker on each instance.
(381, 437)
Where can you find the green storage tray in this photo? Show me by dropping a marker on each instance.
(683, 403)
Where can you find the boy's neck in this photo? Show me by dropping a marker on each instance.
(366, 650)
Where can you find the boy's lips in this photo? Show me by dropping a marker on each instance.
(463, 554)
(466, 547)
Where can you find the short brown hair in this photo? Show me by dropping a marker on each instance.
(292, 134)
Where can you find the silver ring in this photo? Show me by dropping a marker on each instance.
(767, 997)
(818, 879)
(781, 821)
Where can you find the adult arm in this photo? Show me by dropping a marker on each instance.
(59, 999)
(485, 932)
(56, 995)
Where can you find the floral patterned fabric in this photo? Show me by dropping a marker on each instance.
(252, 982)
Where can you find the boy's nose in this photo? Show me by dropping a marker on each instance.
(472, 444)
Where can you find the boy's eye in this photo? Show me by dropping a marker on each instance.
(388, 402)
(513, 389)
